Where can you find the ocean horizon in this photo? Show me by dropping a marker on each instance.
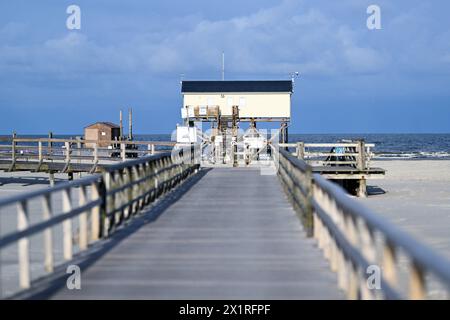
(387, 145)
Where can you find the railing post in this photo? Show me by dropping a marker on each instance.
(95, 152)
(95, 213)
(67, 145)
(353, 285)
(362, 188)
(108, 205)
(48, 244)
(148, 182)
(122, 151)
(13, 146)
(362, 165)
(342, 270)
(140, 190)
(79, 153)
(389, 267)
(308, 218)
(50, 144)
(67, 225)
(83, 224)
(40, 156)
(129, 194)
(23, 246)
(151, 149)
(361, 155)
(416, 282)
(368, 248)
(51, 178)
(300, 150)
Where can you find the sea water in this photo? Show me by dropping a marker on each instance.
(387, 146)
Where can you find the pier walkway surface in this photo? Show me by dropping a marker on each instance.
(231, 234)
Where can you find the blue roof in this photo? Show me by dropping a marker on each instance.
(236, 86)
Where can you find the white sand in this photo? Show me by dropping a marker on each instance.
(417, 199)
(14, 183)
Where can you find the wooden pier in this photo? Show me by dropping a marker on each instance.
(162, 227)
(347, 163)
(71, 155)
(230, 235)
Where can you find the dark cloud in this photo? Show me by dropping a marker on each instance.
(140, 50)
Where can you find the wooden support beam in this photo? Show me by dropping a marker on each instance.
(362, 188)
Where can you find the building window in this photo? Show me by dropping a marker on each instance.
(230, 101)
(242, 102)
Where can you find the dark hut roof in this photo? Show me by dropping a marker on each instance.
(236, 86)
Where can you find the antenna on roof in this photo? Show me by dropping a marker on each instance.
(223, 65)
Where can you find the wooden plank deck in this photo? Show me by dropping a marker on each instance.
(232, 235)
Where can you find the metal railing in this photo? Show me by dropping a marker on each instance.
(353, 238)
(104, 202)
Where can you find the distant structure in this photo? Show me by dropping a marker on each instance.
(256, 100)
(226, 104)
(102, 132)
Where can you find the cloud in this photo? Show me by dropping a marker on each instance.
(277, 40)
(284, 38)
(274, 41)
(134, 54)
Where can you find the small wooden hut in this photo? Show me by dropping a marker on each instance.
(102, 132)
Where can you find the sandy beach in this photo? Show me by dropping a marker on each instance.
(15, 183)
(415, 195)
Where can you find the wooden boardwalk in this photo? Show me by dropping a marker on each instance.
(231, 235)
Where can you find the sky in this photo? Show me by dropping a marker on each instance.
(133, 54)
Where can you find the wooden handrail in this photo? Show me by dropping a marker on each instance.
(345, 230)
(358, 156)
(74, 141)
(114, 197)
(74, 151)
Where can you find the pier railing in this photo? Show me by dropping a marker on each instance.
(104, 202)
(356, 241)
(355, 153)
(72, 151)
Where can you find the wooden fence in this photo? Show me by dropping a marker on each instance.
(73, 152)
(356, 154)
(105, 202)
(354, 239)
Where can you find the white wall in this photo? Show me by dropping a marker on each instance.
(258, 105)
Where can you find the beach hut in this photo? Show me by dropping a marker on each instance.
(102, 132)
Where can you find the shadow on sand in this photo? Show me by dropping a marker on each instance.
(375, 191)
(28, 181)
